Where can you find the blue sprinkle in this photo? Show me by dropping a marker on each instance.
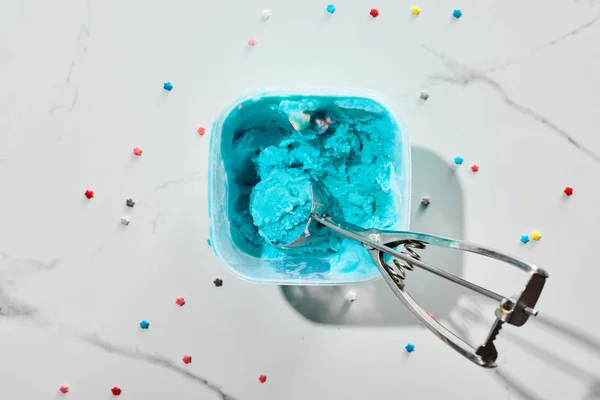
(144, 324)
(457, 13)
(330, 8)
(208, 241)
(168, 86)
(525, 238)
(458, 160)
(410, 347)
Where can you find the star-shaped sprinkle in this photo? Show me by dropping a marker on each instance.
(568, 190)
(424, 95)
(180, 301)
(125, 220)
(266, 13)
(168, 86)
(416, 10)
(137, 151)
(425, 201)
(262, 378)
(458, 160)
(187, 359)
(536, 235)
(218, 282)
(252, 42)
(201, 130)
(374, 12)
(330, 8)
(116, 390)
(475, 168)
(64, 389)
(89, 193)
(351, 296)
(410, 347)
(144, 324)
(524, 238)
(129, 202)
(457, 13)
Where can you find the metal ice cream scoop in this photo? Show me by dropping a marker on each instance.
(401, 245)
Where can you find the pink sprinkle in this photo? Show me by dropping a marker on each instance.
(252, 42)
(201, 130)
(137, 151)
(180, 301)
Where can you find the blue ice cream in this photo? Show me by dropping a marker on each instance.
(273, 146)
(280, 205)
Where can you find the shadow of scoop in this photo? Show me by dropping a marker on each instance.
(376, 304)
(582, 377)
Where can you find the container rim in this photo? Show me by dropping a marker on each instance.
(324, 91)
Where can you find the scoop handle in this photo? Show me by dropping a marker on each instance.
(514, 311)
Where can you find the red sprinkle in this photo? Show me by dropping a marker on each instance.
(137, 151)
(64, 388)
(89, 193)
(116, 390)
(187, 359)
(262, 378)
(374, 12)
(179, 301)
(568, 190)
(201, 130)
(474, 167)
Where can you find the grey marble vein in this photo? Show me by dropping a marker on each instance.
(166, 184)
(574, 32)
(24, 265)
(11, 307)
(463, 75)
(155, 359)
(74, 99)
(70, 72)
(82, 38)
(551, 43)
(156, 221)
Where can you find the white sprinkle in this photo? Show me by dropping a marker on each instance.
(351, 296)
(266, 13)
(125, 220)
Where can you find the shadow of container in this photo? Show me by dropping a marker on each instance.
(376, 305)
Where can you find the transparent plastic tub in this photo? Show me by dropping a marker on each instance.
(308, 269)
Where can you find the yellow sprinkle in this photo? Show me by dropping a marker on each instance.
(536, 235)
(415, 10)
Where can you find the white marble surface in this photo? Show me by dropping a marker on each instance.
(514, 87)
